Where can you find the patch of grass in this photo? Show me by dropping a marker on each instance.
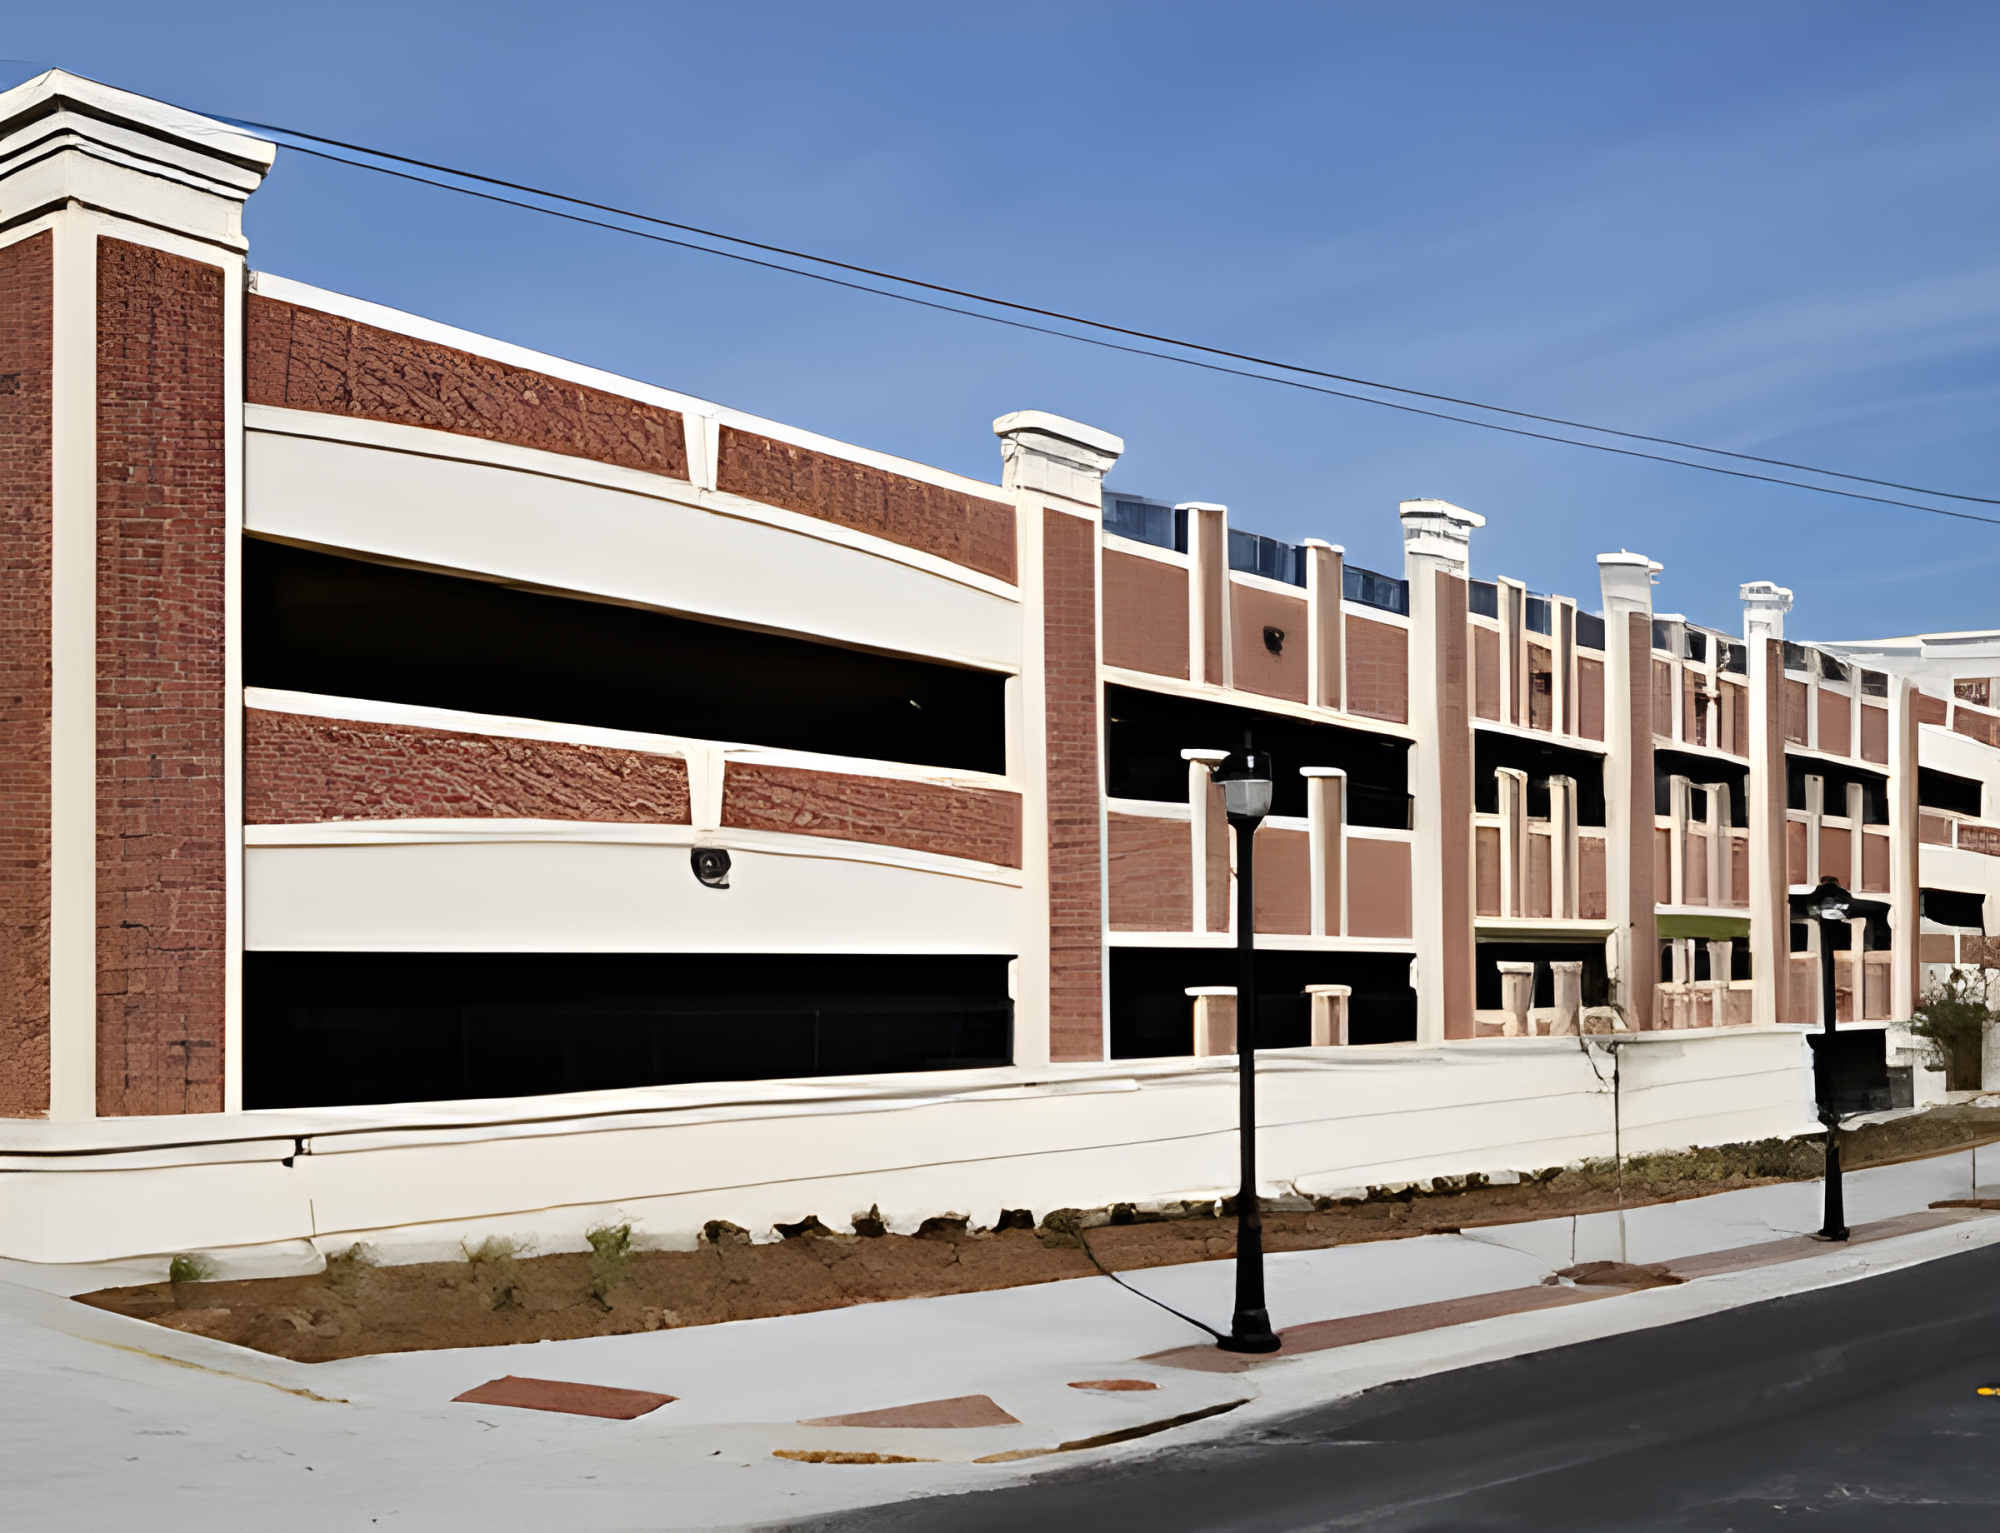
(190, 1267)
(610, 1257)
(496, 1269)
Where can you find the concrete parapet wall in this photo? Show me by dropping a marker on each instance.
(265, 1189)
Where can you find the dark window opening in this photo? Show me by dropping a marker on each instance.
(1739, 959)
(316, 622)
(1668, 765)
(1589, 631)
(1663, 635)
(1955, 907)
(1373, 590)
(1874, 684)
(1540, 617)
(1947, 791)
(1795, 656)
(1736, 659)
(1482, 597)
(1833, 800)
(1801, 937)
(1152, 1015)
(1487, 957)
(1831, 669)
(1695, 646)
(342, 1029)
(1492, 750)
(1146, 732)
(1876, 936)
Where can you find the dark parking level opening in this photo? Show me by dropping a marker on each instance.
(346, 1029)
(315, 622)
(1152, 1016)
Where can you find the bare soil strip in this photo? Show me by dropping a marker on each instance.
(495, 1297)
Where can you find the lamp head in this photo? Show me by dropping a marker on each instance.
(1829, 902)
(1246, 786)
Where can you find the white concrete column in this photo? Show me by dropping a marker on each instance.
(1569, 998)
(1517, 997)
(1437, 536)
(1214, 1019)
(1627, 580)
(1764, 607)
(1329, 1014)
(1326, 817)
(1201, 773)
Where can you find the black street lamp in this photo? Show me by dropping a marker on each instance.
(1246, 798)
(1830, 905)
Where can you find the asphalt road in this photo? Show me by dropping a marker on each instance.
(1850, 1408)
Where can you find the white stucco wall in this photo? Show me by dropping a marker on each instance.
(414, 1181)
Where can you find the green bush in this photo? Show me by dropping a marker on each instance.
(1953, 1020)
(190, 1268)
(495, 1271)
(610, 1256)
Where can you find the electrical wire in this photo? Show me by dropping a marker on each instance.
(1084, 1240)
(1101, 325)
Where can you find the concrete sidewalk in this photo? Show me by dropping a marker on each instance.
(109, 1419)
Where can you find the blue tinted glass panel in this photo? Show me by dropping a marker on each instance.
(1373, 590)
(1589, 630)
(1143, 521)
(1539, 609)
(1482, 597)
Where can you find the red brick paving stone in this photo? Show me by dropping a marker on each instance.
(571, 1399)
(1108, 1386)
(1771, 1252)
(963, 1411)
(1352, 1330)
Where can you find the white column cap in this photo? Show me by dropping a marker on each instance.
(1436, 529)
(1628, 577)
(1055, 456)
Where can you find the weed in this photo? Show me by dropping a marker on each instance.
(344, 1267)
(610, 1256)
(190, 1268)
(495, 1269)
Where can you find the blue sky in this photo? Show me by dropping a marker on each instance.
(1763, 226)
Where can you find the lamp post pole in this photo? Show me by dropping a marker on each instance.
(1247, 799)
(1828, 906)
(1835, 1225)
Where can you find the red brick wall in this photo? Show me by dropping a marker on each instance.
(1486, 673)
(1983, 727)
(1255, 668)
(1590, 878)
(925, 817)
(1145, 615)
(1836, 723)
(1378, 888)
(1284, 882)
(26, 294)
(1378, 670)
(1792, 709)
(1150, 865)
(1069, 647)
(300, 769)
(1590, 698)
(1457, 896)
(308, 360)
(161, 868)
(978, 534)
(1927, 710)
(1874, 733)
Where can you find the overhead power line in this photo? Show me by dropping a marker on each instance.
(1105, 326)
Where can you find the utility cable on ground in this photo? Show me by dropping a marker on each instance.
(1083, 1239)
(1108, 327)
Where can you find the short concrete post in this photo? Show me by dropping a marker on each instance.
(1569, 999)
(1329, 1008)
(1214, 1019)
(1517, 994)
(1719, 954)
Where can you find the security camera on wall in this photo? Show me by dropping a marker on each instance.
(711, 866)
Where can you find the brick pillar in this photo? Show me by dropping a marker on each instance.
(1055, 470)
(1764, 609)
(121, 314)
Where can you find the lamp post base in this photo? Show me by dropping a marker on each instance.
(1250, 1331)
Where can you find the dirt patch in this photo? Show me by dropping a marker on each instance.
(498, 1295)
